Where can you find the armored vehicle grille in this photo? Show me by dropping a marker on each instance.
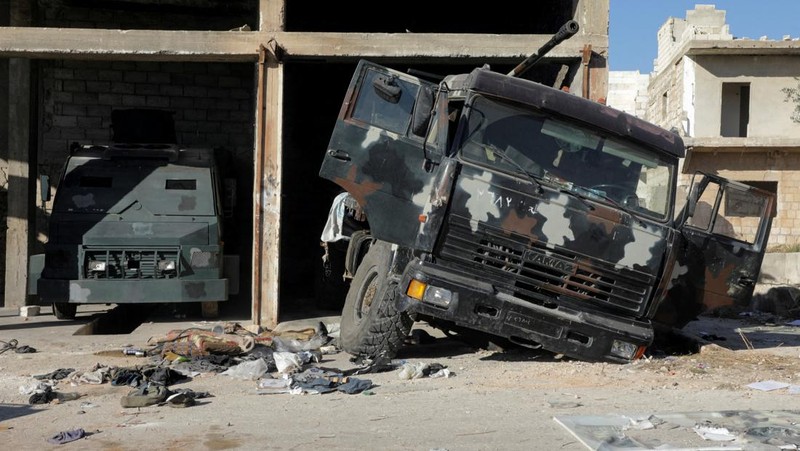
(112, 263)
(541, 275)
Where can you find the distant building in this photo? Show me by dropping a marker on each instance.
(627, 91)
(731, 99)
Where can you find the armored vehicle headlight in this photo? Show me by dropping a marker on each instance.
(97, 266)
(166, 265)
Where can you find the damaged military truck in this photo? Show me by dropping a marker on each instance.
(501, 205)
(136, 221)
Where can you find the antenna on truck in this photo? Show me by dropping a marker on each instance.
(565, 32)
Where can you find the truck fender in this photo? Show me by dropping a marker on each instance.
(360, 241)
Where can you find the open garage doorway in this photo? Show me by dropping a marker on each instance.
(313, 94)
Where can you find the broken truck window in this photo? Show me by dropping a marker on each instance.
(88, 181)
(181, 184)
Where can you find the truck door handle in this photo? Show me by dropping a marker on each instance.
(339, 154)
(746, 281)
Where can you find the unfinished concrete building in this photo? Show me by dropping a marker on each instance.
(735, 102)
(263, 78)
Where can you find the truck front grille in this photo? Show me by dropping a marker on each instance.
(129, 264)
(541, 275)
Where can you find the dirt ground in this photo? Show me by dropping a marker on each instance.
(493, 400)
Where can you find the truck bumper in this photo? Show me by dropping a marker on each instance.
(476, 305)
(91, 291)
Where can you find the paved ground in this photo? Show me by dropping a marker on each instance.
(496, 400)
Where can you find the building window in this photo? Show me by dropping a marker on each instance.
(664, 99)
(735, 109)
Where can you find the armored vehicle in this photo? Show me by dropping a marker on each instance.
(131, 223)
(503, 206)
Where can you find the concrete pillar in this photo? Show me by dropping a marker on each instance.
(271, 15)
(267, 188)
(19, 149)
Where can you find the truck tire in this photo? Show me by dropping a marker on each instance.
(370, 324)
(64, 310)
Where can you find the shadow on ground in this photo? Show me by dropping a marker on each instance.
(9, 411)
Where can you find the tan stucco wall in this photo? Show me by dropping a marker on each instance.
(770, 115)
(782, 167)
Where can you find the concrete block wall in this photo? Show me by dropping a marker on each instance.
(213, 103)
(783, 168)
(669, 82)
(627, 91)
(194, 15)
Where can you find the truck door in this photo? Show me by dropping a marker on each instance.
(375, 156)
(724, 229)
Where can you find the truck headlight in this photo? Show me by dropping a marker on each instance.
(626, 350)
(97, 266)
(437, 296)
(426, 293)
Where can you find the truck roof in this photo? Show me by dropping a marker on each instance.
(590, 112)
(171, 153)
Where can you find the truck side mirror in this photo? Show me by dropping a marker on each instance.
(44, 187)
(422, 111)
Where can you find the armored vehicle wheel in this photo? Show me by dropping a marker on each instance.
(64, 310)
(371, 324)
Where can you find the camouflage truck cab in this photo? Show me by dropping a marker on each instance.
(133, 223)
(504, 206)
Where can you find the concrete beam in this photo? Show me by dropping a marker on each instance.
(742, 47)
(748, 144)
(161, 45)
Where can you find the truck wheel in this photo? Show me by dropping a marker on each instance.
(64, 310)
(371, 325)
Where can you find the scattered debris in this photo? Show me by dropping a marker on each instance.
(768, 385)
(687, 430)
(14, 344)
(67, 436)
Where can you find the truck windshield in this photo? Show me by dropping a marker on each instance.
(568, 156)
(93, 185)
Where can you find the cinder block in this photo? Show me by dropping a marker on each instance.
(29, 310)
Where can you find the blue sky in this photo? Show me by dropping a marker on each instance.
(633, 25)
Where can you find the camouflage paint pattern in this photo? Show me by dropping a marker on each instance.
(545, 266)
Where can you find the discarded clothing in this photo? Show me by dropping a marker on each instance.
(146, 395)
(49, 396)
(195, 341)
(205, 364)
(67, 436)
(354, 386)
(163, 376)
(42, 398)
(127, 376)
(250, 370)
(180, 400)
(317, 385)
(14, 344)
(378, 364)
(420, 369)
(58, 374)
